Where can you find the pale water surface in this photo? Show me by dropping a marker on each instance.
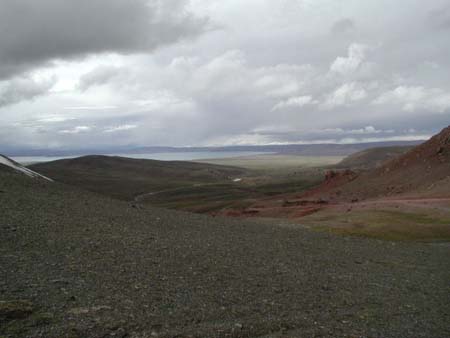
(182, 156)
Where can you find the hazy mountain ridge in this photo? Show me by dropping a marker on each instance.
(299, 149)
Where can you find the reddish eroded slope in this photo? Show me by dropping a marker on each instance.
(422, 174)
(332, 182)
(424, 171)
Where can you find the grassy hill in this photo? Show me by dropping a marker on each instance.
(190, 186)
(125, 178)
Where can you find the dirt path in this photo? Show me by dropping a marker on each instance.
(142, 197)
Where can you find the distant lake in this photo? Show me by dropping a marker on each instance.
(182, 156)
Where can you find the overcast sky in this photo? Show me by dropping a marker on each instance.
(92, 73)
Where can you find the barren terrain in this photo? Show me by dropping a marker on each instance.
(76, 264)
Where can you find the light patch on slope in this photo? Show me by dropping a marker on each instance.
(16, 166)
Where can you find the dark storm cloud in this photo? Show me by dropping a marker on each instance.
(35, 32)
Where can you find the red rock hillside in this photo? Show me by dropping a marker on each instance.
(424, 171)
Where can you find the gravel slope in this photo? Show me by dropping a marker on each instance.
(84, 265)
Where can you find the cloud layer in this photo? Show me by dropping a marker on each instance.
(110, 72)
(35, 32)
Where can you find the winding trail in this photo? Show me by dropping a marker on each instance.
(141, 197)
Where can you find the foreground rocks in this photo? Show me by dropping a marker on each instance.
(19, 309)
(89, 266)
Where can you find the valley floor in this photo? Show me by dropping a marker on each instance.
(76, 264)
(396, 218)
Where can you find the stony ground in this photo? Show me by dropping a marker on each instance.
(75, 264)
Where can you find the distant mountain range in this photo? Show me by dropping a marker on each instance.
(297, 149)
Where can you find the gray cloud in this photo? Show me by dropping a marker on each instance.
(99, 76)
(274, 72)
(440, 18)
(23, 88)
(37, 32)
(343, 26)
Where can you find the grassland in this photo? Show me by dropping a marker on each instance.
(422, 225)
(258, 184)
(266, 175)
(126, 178)
(209, 198)
(276, 162)
(205, 186)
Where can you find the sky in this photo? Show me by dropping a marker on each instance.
(114, 73)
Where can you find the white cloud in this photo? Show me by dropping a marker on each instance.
(346, 94)
(54, 119)
(120, 128)
(365, 130)
(351, 63)
(229, 73)
(415, 137)
(359, 131)
(90, 108)
(76, 130)
(416, 98)
(294, 102)
(239, 140)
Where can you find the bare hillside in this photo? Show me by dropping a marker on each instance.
(423, 171)
(372, 158)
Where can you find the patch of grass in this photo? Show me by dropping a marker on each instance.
(289, 186)
(214, 197)
(383, 224)
(276, 162)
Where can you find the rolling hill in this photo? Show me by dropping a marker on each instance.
(125, 178)
(422, 171)
(372, 158)
(189, 186)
